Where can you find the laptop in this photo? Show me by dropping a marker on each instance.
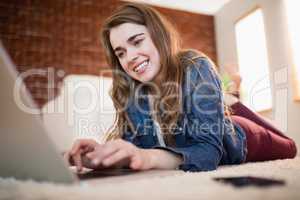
(26, 150)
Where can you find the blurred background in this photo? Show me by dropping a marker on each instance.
(64, 35)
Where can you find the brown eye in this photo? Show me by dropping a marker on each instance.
(137, 42)
(120, 55)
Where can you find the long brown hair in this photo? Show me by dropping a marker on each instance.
(166, 40)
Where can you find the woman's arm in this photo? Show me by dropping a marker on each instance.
(120, 151)
(161, 159)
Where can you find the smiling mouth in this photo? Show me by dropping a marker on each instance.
(141, 66)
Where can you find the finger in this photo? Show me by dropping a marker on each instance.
(115, 158)
(68, 158)
(136, 163)
(102, 152)
(94, 153)
(81, 143)
(87, 149)
(77, 160)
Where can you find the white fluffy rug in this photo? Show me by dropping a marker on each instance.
(167, 185)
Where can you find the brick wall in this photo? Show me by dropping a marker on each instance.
(55, 38)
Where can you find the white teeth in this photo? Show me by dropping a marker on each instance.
(141, 66)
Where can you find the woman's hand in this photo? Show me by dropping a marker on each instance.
(76, 156)
(118, 153)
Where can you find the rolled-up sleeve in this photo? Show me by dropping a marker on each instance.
(204, 119)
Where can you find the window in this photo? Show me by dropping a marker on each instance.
(253, 62)
(293, 14)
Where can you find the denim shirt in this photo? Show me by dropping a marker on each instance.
(204, 136)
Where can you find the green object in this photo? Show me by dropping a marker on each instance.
(226, 82)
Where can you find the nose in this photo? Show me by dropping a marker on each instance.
(132, 55)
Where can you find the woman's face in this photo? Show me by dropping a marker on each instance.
(136, 51)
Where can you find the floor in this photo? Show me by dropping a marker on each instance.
(168, 184)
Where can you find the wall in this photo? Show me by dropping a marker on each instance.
(285, 112)
(62, 37)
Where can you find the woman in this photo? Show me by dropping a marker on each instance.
(169, 102)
